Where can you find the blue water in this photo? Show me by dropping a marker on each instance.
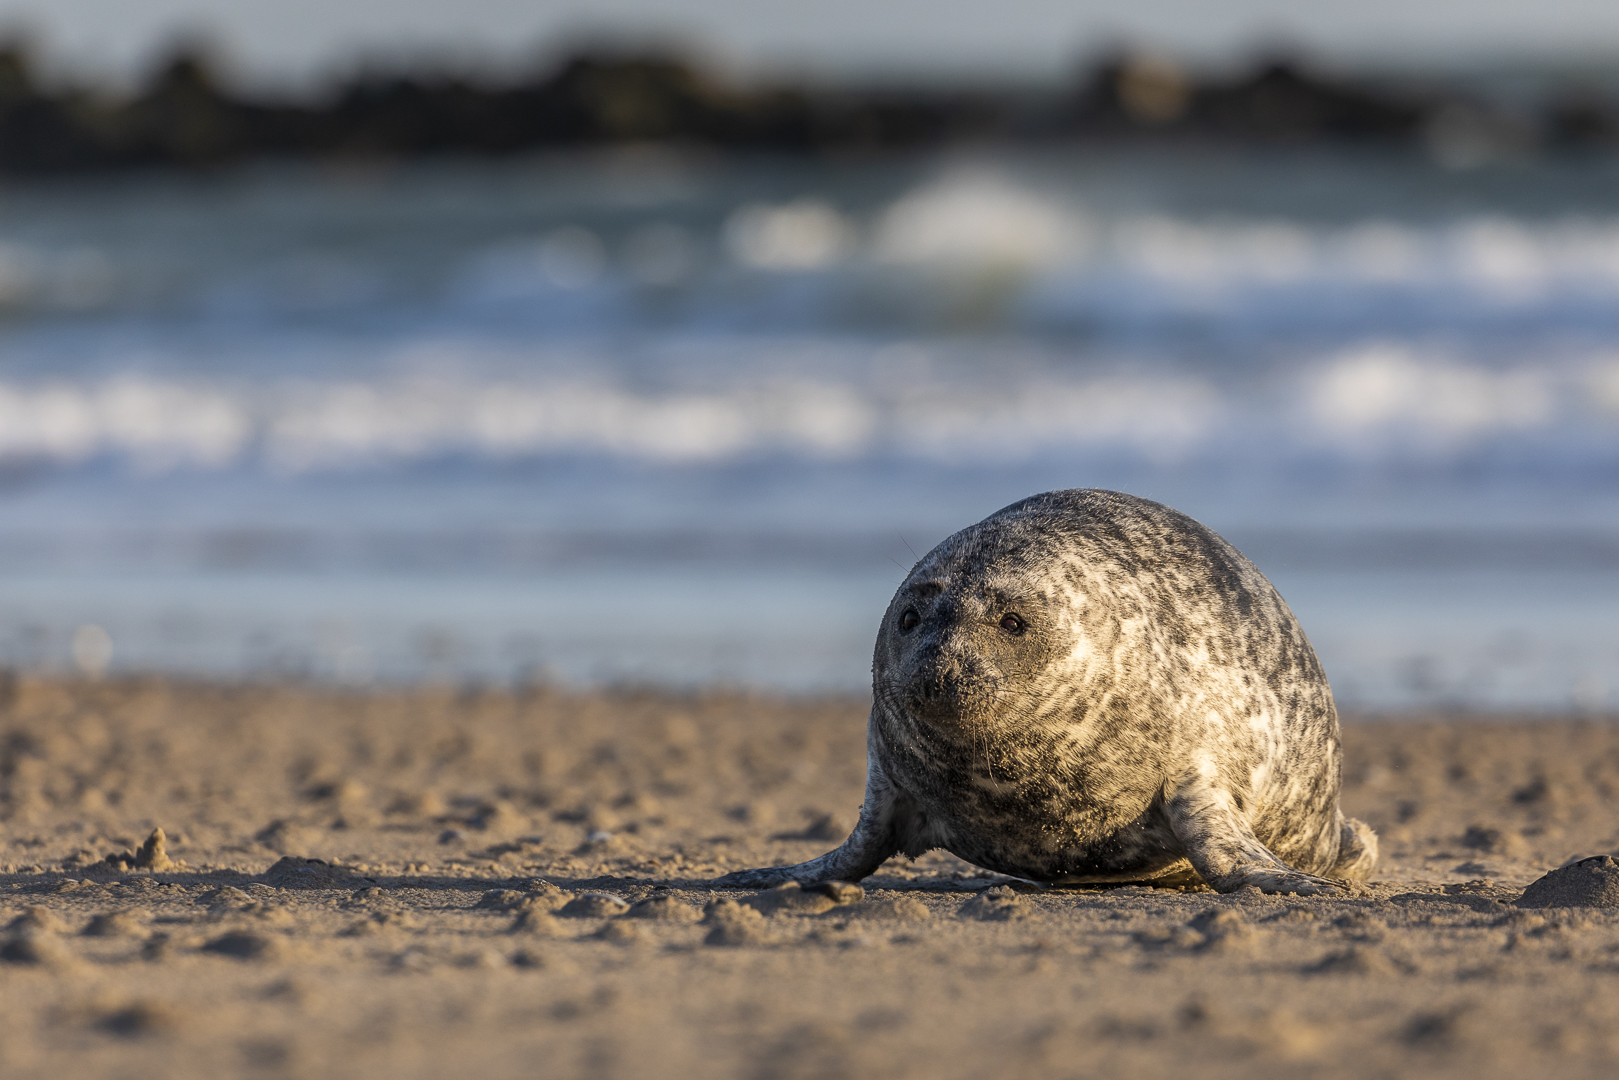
(676, 419)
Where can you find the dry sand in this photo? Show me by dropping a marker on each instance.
(479, 850)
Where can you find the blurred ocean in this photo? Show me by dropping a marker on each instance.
(678, 419)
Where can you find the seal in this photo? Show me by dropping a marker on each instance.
(1090, 687)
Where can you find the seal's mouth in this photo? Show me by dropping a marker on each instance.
(934, 705)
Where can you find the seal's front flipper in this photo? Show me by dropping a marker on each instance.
(1222, 846)
(766, 877)
(884, 818)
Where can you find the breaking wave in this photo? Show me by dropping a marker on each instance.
(1379, 399)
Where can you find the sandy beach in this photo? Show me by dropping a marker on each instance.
(485, 883)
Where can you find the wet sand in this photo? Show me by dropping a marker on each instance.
(470, 914)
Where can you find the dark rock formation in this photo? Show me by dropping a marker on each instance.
(186, 116)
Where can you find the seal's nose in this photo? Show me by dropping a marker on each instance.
(941, 685)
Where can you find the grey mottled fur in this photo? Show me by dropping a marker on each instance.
(1159, 714)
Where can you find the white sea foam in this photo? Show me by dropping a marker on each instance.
(158, 425)
(1380, 398)
(1388, 393)
(807, 234)
(975, 218)
(1064, 257)
(969, 218)
(311, 426)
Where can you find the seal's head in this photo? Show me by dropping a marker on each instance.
(973, 628)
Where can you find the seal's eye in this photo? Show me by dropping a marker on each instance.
(909, 621)
(1012, 624)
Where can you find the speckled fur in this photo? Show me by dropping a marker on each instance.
(1160, 714)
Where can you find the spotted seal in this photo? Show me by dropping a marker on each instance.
(1090, 687)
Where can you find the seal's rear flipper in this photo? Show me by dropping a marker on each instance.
(1223, 848)
(1357, 851)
